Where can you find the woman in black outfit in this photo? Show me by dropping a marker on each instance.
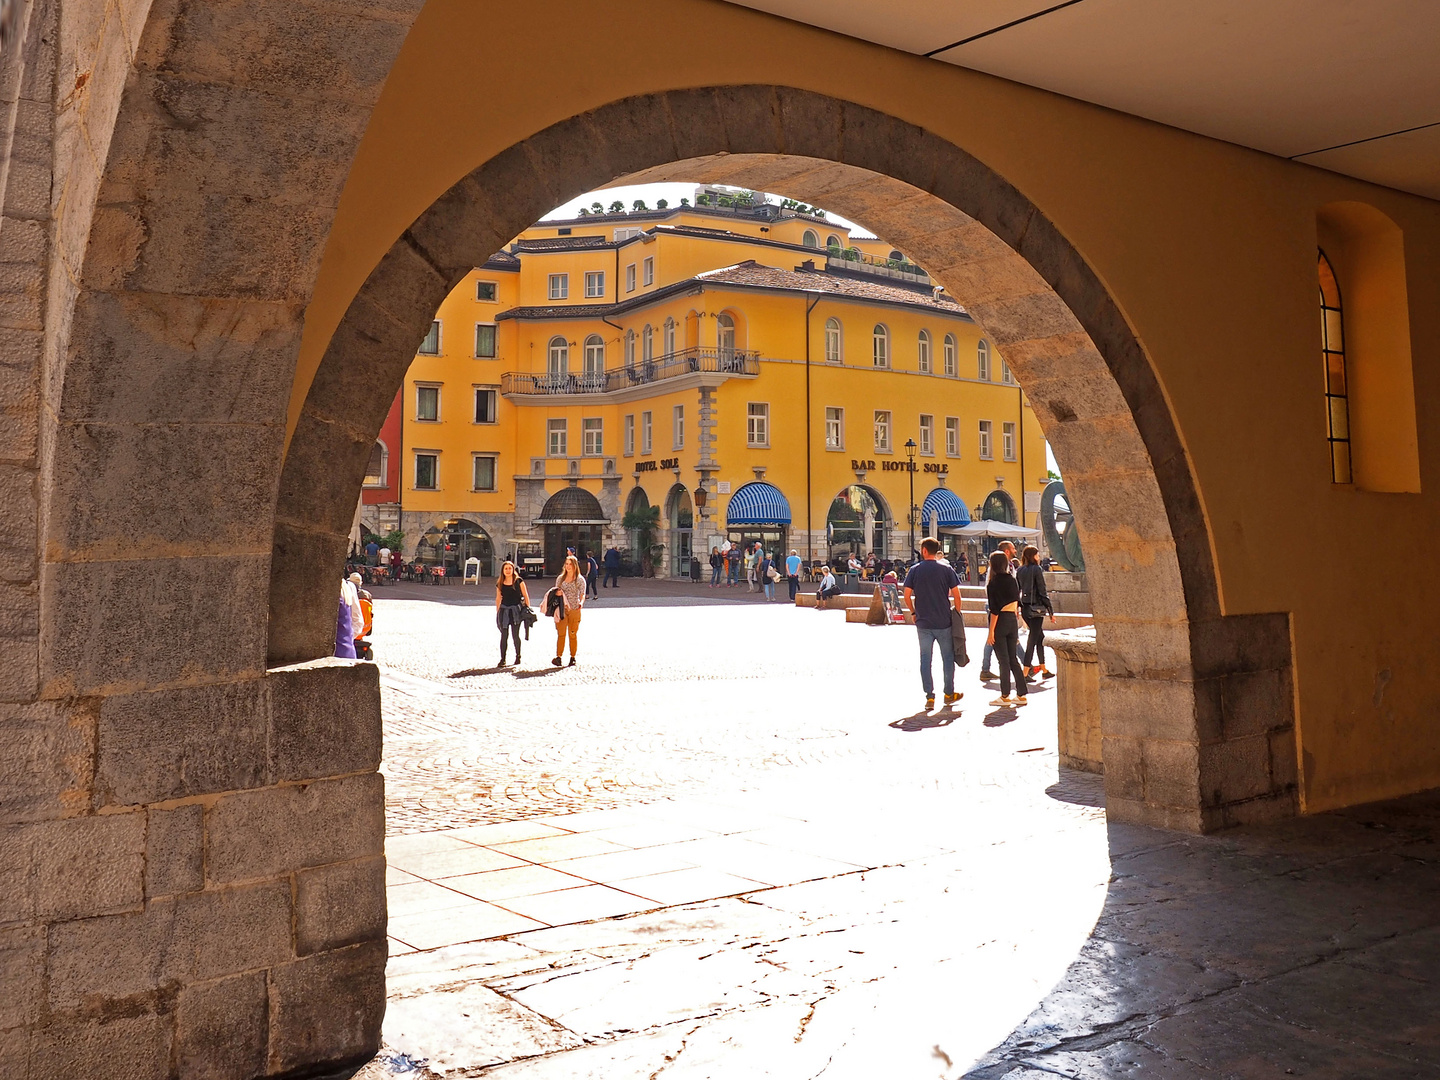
(511, 600)
(1002, 595)
(1034, 606)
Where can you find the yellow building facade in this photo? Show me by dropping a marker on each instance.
(751, 370)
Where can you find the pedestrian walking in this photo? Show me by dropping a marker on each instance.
(930, 587)
(792, 573)
(717, 567)
(612, 567)
(570, 586)
(592, 574)
(752, 562)
(764, 569)
(1002, 594)
(1034, 606)
(512, 600)
(344, 624)
(351, 589)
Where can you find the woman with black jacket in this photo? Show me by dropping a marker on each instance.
(1034, 606)
(512, 600)
(1002, 595)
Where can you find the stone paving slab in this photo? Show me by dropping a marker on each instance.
(729, 844)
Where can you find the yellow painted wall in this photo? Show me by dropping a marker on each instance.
(1188, 234)
(771, 323)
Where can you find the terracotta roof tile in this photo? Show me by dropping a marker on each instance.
(754, 275)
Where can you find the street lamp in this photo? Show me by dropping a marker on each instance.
(910, 453)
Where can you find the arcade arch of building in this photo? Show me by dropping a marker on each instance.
(197, 242)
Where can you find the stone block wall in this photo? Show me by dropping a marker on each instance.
(192, 881)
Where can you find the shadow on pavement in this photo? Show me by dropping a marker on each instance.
(1308, 947)
(922, 721)
(478, 671)
(538, 672)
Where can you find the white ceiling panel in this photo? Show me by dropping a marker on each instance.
(1348, 85)
(1409, 162)
(917, 26)
(1287, 76)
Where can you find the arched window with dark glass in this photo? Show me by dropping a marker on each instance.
(810, 239)
(1337, 399)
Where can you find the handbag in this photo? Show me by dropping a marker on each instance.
(774, 574)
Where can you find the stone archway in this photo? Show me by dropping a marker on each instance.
(1175, 671)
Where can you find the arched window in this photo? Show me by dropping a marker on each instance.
(882, 346)
(982, 357)
(559, 356)
(922, 351)
(725, 335)
(832, 242)
(647, 344)
(594, 355)
(629, 348)
(1337, 393)
(377, 469)
(951, 360)
(810, 239)
(669, 345)
(833, 352)
(896, 255)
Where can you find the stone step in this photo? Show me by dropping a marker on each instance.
(980, 620)
(844, 600)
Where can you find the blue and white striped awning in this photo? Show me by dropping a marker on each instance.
(757, 503)
(944, 508)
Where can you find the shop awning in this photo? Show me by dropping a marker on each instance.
(757, 503)
(944, 509)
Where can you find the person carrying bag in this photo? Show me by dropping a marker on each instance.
(1034, 606)
(512, 605)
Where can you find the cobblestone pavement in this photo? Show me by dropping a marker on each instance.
(700, 693)
(712, 744)
(729, 845)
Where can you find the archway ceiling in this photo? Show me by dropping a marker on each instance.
(1347, 85)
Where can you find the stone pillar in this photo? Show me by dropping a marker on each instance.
(1077, 698)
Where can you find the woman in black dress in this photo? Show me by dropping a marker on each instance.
(1002, 594)
(1034, 606)
(511, 600)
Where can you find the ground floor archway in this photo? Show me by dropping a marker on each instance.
(858, 523)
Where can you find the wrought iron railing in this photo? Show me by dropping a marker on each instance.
(642, 373)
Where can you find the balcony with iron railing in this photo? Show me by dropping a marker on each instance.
(740, 362)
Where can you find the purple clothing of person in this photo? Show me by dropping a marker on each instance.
(344, 639)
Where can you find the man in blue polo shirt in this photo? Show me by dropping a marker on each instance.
(929, 587)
